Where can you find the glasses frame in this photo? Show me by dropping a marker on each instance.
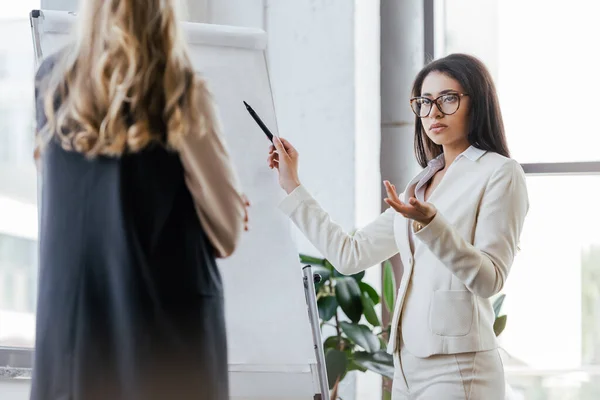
(437, 104)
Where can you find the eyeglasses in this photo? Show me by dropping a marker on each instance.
(448, 104)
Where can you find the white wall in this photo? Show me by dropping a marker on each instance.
(311, 56)
(368, 143)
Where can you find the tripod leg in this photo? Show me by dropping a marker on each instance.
(313, 314)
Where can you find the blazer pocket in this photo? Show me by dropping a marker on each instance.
(451, 312)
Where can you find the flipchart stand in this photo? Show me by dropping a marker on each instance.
(313, 313)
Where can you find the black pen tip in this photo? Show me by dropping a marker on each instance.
(246, 104)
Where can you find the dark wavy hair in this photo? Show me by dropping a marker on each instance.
(486, 129)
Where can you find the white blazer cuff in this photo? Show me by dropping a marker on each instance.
(432, 230)
(292, 201)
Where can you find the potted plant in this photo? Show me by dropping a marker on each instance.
(346, 305)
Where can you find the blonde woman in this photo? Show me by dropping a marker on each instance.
(139, 197)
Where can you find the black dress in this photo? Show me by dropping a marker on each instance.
(130, 303)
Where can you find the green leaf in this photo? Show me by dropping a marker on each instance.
(327, 307)
(333, 342)
(337, 363)
(389, 286)
(305, 259)
(353, 366)
(337, 274)
(366, 288)
(362, 336)
(498, 304)
(379, 362)
(348, 297)
(499, 325)
(330, 343)
(359, 276)
(369, 310)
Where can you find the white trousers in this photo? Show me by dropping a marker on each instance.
(471, 376)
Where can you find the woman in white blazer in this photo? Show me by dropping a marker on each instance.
(456, 226)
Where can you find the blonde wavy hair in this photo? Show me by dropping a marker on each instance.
(124, 82)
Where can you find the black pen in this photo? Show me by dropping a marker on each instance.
(259, 122)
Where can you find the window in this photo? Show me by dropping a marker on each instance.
(544, 71)
(18, 281)
(553, 293)
(543, 66)
(18, 183)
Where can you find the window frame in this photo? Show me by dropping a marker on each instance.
(562, 168)
(16, 357)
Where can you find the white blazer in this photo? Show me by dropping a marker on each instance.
(461, 258)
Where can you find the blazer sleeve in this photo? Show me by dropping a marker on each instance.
(213, 182)
(349, 254)
(484, 265)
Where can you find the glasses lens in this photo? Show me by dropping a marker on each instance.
(449, 103)
(421, 106)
